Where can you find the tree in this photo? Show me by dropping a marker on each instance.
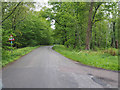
(89, 27)
(28, 27)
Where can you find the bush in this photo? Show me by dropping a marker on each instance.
(112, 51)
(96, 48)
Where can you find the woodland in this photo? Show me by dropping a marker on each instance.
(90, 26)
(81, 25)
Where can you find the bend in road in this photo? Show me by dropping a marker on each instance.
(45, 68)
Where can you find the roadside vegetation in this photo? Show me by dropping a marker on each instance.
(29, 28)
(88, 31)
(9, 56)
(101, 58)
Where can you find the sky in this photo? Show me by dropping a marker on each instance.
(41, 3)
(39, 6)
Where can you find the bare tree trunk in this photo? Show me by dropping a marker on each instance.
(116, 44)
(88, 34)
(75, 44)
(95, 39)
(113, 36)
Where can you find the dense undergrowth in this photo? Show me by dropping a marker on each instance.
(9, 56)
(106, 59)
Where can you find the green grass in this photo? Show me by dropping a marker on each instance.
(10, 56)
(98, 59)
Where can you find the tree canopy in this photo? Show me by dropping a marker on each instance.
(80, 25)
(87, 25)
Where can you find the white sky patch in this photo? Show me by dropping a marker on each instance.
(41, 3)
(53, 26)
(44, 3)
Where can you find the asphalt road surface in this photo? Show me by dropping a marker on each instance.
(45, 68)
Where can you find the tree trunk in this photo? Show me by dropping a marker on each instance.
(95, 39)
(76, 36)
(88, 34)
(113, 36)
(116, 44)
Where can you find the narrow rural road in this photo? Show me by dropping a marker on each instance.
(45, 68)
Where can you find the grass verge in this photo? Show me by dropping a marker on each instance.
(10, 56)
(98, 59)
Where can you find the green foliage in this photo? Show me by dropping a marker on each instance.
(92, 58)
(35, 31)
(28, 27)
(71, 21)
(32, 28)
(112, 51)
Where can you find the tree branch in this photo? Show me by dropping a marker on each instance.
(59, 23)
(97, 20)
(11, 12)
(95, 12)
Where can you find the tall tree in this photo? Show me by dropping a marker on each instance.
(88, 35)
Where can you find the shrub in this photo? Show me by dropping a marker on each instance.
(112, 51)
